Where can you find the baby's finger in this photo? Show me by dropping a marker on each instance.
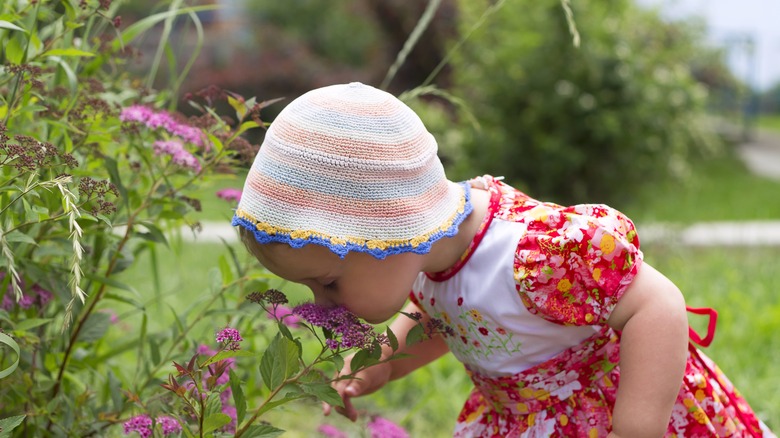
(348, 410)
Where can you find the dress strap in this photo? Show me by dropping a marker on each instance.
(705, 342)
(713, 314)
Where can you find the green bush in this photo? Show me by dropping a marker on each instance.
(585, 123)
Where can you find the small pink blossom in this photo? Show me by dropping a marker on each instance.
(285, 315)
(383, 428)
(141, 424)
(178, 154)
(330, 431)
(162, 119)
(169, 425)
(231, 337)
(231, 195)
(135, 113)
(231, 412)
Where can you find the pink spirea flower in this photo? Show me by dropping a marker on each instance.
(135, 113)
(231, 337)
(141, 424)
(43, 296)
(230, 195)
(178, 154)
(284, 314)
(205, 350)
(162, 119)
(169, 425)
(383, 428)
(348, 330)
(231, 412)
(34, 296)
(330, 431)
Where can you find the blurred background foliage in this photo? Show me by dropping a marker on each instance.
(570, 124)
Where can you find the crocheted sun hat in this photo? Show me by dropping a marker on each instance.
(352, 168)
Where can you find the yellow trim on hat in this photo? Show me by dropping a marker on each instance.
(414, 242)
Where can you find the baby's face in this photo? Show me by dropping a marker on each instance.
(372, 289)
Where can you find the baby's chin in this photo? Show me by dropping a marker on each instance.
(375, 319)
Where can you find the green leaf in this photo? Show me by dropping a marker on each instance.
(262, 431)
(415, 335)
(8, 25)
(113, 172)
(214, 422)
(153, 234)
(28, 324)
(7, 340)
(18, 236)
(237, 105)
(249, 124)
(224, 268)
(215, 280)
(68, 52)
(361, 359)
(10, 423)
(226, 354)
(338, 361)
(115, 389)
(213, 404)
(285, 331)
(73, 80)
(323, 392)
(95, 327)
(14, 51)
(215, 141)
(279, 361)
(392, 339)
(238, 397)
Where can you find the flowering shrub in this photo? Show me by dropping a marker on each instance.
(95, 170)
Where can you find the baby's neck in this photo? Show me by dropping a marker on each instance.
(446, 252)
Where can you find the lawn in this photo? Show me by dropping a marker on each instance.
(769, 122)
(717, 189)
(740, 283)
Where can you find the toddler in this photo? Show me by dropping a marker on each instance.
(562, 328)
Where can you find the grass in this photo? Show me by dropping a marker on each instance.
(770, 122)
(717, 189)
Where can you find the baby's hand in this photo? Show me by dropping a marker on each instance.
(365, 382)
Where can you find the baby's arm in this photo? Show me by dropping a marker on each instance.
(375, 377)
(653, 350)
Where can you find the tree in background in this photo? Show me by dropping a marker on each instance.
(580, 123)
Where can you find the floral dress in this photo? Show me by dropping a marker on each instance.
(525, 310)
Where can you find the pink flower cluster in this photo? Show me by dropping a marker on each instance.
(383, 428)
(330, 431)
(162, 119)
(347, 329)
(231, 337)
(34, 296)
(230, 195)
(284, 314)
(144, 425)
(179, 155)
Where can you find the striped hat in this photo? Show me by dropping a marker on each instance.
(352, 168)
